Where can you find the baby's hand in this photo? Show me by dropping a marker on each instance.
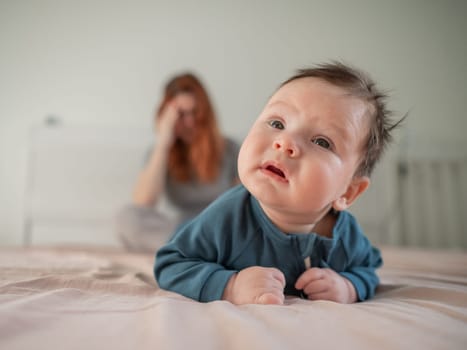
(256, 285)
(326, 284)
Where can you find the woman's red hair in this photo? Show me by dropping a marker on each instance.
(202, 158)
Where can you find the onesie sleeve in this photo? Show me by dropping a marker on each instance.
(362, 260)
(362, 272)
(191, 263)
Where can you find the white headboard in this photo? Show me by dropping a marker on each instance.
(78, 177)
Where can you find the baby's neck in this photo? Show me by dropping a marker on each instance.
(288, 223)
(325, 226)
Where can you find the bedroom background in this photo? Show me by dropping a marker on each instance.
(95, 69)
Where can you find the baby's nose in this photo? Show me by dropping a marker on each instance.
(289, 147)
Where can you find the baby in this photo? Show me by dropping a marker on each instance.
(285, 229)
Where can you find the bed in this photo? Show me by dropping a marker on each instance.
(100, 297)
(70, 286)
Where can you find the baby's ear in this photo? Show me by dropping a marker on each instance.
(356, 188)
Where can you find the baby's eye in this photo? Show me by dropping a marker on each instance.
(321, 142)
(276, 124)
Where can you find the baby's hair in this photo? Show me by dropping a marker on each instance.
(359, 84)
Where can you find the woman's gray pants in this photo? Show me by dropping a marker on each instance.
(143, 229)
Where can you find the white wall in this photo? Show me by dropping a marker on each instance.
(103, 63)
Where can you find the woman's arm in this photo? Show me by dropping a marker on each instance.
(151, 180)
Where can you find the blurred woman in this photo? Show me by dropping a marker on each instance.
(191, 163)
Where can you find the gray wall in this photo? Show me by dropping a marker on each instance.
(103, 63)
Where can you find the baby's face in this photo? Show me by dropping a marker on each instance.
(301, 154)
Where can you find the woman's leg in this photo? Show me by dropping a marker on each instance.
(143, 229)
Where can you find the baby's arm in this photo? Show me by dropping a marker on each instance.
(191, 263)
(197, 263)
(355, 277)
(357, 282)
(181, 269)
(190, 271)
(256, 285)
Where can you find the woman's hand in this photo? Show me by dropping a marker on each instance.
(326, 284)
(256, 285)
(165, 126)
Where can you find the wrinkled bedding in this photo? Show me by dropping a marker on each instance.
(104, 298)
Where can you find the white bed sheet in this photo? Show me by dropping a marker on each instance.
(97, 298)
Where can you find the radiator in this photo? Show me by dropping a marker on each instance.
(432, 202)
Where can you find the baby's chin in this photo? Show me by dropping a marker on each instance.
(272, 201)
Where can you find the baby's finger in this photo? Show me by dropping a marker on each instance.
(271, 299)
(279, 276)
(316, 287)
(310, 275)
(319, 296)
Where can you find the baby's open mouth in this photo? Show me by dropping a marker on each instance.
(275, 170)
